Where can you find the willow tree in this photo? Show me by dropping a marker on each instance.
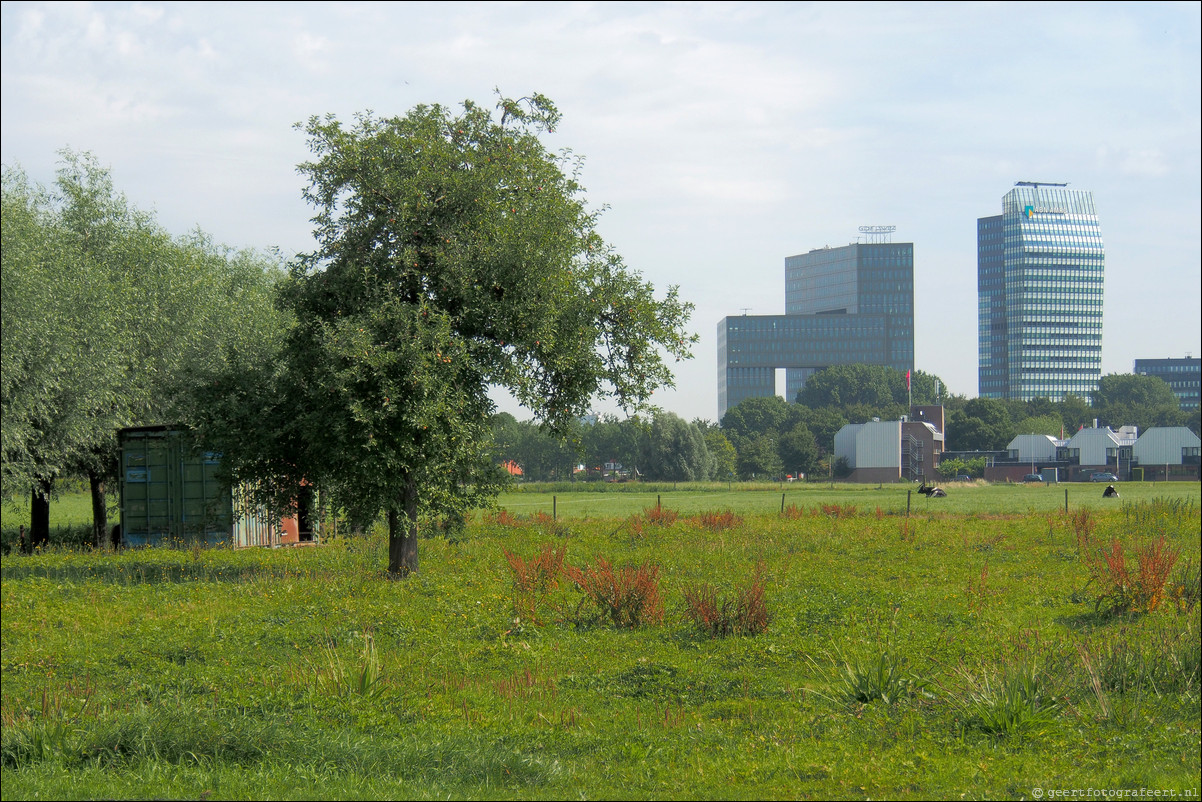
(454, 252)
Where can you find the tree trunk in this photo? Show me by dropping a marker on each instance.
(402, 544)
(39, 516)
(100, 515)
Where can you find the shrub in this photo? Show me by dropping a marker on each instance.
(745, 613)
(627, 597)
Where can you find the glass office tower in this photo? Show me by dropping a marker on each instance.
(843, 306)
(1039, 291)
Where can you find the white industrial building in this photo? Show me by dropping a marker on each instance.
(1159, 453)
(872, 450)
(886, 451)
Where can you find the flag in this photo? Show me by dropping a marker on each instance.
(907, 381)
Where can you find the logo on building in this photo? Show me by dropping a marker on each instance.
(1031, 211)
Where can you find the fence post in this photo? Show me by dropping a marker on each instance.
(554, 507)
(782, 503)
(1066, 501)
(908, 492)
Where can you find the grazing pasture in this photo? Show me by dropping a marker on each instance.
(716, 644)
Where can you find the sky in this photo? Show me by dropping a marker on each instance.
(720, 137)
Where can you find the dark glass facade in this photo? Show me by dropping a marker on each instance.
(1183, 375)
(1040, 267)
(843, 306)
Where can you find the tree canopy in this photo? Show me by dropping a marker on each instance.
(455, 253)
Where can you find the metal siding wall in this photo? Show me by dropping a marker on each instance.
(845, 443)
(879, 445)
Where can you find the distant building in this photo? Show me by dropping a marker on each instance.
(1039, 291)
(890, 451)
(1183, 375)
(843, 306)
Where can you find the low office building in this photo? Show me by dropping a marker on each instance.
(1184, 376)
(1026, 454)
(843, 306)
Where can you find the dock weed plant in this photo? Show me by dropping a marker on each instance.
(1124, 585)
(626, 596)
(1186, 584)
(535, 579)
(305, 673)
(743, 612)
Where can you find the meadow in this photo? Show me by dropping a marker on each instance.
(725, 642)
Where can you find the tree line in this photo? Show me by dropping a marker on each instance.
(769, 438)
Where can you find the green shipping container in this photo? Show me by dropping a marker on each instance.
(169, 489)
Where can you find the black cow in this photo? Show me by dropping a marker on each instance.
(930, 491)
(1110, 492)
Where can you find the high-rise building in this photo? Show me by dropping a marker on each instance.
(843, 306)
(1183, 375)
(1039, 291)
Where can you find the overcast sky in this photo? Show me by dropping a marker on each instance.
(723, 136)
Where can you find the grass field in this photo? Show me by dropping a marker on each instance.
(974, 649)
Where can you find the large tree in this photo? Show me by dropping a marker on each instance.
(880, 390)
(454, 252)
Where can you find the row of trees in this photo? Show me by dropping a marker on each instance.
(108, 322)
(660, 447)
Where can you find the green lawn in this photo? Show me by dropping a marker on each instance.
(892, 499)
(957, 653)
